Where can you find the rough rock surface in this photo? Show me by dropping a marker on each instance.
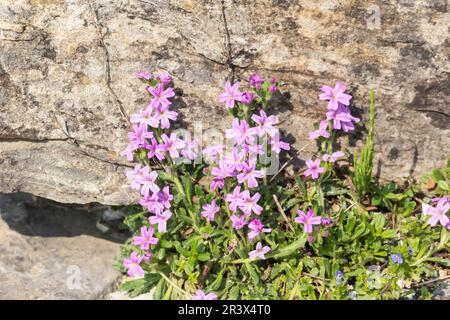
(67, 70)
(53, 252)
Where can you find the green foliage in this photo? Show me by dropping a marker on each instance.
(363, 163)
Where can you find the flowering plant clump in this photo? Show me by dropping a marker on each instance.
(219, 222)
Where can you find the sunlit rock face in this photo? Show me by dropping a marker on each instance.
(68, 67)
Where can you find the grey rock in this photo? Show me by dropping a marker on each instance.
(49, 251)
(67, 77)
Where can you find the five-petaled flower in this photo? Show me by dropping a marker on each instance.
(438, 213)
(335, 95)
(259, 251)
(397, 258)
(265, 123)
(256, 228)
(146, 238)
(209, 210)
(241, 132)
(238, 221)
(161, 220)
(308, 220)
(314, 169)
(147, 180)
(172, 144)
(160, 96)
(133, 265)
(230, 95)
(249, 204)
(249, 174)
(139, 134)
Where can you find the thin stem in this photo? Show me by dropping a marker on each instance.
(173, 284)
(281, 211)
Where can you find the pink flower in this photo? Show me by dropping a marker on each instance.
(161, 220)
(139, 135)
(447, 198)
(308, 220)
(217, 183)
(209, 210)
(326, 221)
(144, 75)
(335, 95)
(160, 96)
(249, 174)
(152, 203)
(342, 119)
(163, 77)
(322, 132)
(438, 213)
(256, 81)
(147, 180)
(165, 115)
(145, 117)
(273, 85)
(146, 238)
(259, 252)
(249, 204)
(190, 149)
(223, 170)
(241, 132)
(238, 221)
(230, 95)
(146, 256)
(172, 144)
(234, 198)
(256, 228)
(135, 176)
(314, 168)
(129, 152)
(155, 150)
(278, 145)
(333, 157)
(200, 295)
(246, 97)
(266, 124)
(213, 153)
(164, 197)
(234, 159)
(133, 265)
(253, 149)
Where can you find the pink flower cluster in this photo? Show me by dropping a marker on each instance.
(158, 115)
(339, 112)
(338, 107)
(155, 199)
(240, 162)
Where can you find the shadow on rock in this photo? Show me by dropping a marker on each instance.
(39, 217)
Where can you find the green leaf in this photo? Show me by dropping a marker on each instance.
(159, 290)
(437, 175)
(289, 249)
(215, 285)
(187, 184)
(443, 185)
(203, 257)
(388, 234)
(234, 293)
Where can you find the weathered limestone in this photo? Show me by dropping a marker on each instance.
(67, 69)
